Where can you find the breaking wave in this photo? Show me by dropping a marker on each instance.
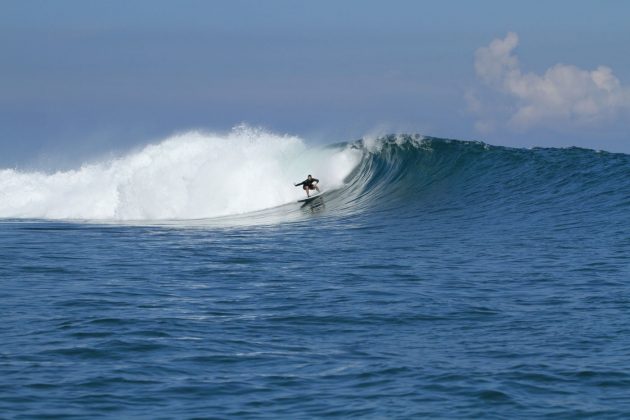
(189, 176)
(249, 174)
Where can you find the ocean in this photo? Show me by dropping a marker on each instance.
(433, 278)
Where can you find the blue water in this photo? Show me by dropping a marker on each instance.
(445, 279)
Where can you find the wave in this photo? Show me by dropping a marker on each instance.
(189, 176)
(423, 175)
(250, 172)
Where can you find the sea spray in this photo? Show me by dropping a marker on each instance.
(188, 176)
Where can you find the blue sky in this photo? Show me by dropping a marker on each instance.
(83, 78)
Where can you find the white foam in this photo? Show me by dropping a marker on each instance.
(188, 176)
(374, 144)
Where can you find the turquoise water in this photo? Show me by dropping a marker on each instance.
(443, 279)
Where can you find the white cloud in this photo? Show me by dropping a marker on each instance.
(564, 93)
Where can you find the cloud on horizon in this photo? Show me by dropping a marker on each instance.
(564, 94)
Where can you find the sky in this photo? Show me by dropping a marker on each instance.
(83, 78)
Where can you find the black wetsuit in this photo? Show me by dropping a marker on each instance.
(308, 183)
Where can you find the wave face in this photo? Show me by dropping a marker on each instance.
(411, 173)
(250, 173)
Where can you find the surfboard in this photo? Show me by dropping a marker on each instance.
(311, 198)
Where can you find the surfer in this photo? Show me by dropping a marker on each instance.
(309, 184)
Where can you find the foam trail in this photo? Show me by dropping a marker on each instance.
(189, 176)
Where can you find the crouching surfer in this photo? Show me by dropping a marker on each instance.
(309, 184)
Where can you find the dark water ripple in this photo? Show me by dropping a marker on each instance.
(454, 305)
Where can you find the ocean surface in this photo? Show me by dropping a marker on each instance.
(433, 278)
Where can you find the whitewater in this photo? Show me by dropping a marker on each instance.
(192, 175)
(434, 278)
